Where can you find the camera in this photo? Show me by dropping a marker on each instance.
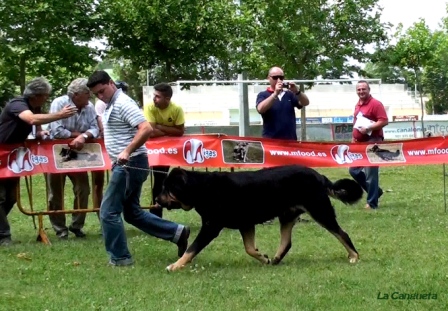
(286, 85)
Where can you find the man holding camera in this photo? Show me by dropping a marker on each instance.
(276, 106)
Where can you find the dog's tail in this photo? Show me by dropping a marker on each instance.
(345, 190)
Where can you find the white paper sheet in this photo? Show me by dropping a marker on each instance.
(362, 121)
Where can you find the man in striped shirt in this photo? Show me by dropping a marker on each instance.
(98, 176)
(125, 134)
(79, 128)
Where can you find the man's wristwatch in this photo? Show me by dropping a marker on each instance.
(85, 136)
(298, 93)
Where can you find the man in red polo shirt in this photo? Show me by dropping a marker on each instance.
(373, 110)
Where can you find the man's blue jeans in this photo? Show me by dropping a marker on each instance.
(123, 196)
(368, 178)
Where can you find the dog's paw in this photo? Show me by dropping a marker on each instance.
(353, 259)
(275, 261)
(174, 267)
(266, 259)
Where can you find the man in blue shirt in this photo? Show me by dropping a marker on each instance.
(276, 106)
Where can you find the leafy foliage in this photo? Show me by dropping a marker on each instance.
(420, 58)
(47, 38)
(435, 79)
(133, 77)
(177, 38)
(319, 38)
(217, 39)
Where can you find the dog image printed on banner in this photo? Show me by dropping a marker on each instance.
(240, 151)
(285, 192)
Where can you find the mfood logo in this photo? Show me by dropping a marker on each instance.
(194, 151)
(341, 154)
(22, 160)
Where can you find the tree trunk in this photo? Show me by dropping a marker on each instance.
(22, 64)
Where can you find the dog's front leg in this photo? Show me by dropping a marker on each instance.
(285, 239)
(248, 235)
(207, 233)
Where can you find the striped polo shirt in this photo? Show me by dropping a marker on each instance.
(120, 121)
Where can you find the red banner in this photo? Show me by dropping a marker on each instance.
(222, 151)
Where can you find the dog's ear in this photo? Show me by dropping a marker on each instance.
(177, 178)
(178, 184)
(178, 175)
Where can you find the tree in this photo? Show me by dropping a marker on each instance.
(176, 38)
(134, 77)
(7, 87)
(383, 71)
(47, 38)
(317, 38)
(188, 39)
(413, 51)
(435, 76)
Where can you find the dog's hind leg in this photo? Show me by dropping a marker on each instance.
(326, 217)
(248, 235)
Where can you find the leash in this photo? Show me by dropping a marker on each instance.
(138, 168)
(128, 167)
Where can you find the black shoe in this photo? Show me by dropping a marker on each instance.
(380, 193)
(63, 235)
(182, 244)
(78, 232)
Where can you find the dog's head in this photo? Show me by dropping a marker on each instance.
(375, 148)
(68, 154)
(175, 192)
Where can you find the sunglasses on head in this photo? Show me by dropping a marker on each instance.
(278, 77)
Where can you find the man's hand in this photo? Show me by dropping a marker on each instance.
(77, 143)
(364, 130)
(123, 157)
(68, 111)
(293, 87)
(278, 87)
(42, 135)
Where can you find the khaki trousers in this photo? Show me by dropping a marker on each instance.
(81, 191)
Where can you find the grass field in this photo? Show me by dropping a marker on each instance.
(402, 249)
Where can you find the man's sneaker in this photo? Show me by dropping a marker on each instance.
(182, 243)
(5, 241)
(303, 220)
(63, 235)
(78, 232)
(121, 262)
(368, 207)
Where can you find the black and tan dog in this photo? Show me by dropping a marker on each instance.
(284, 192)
